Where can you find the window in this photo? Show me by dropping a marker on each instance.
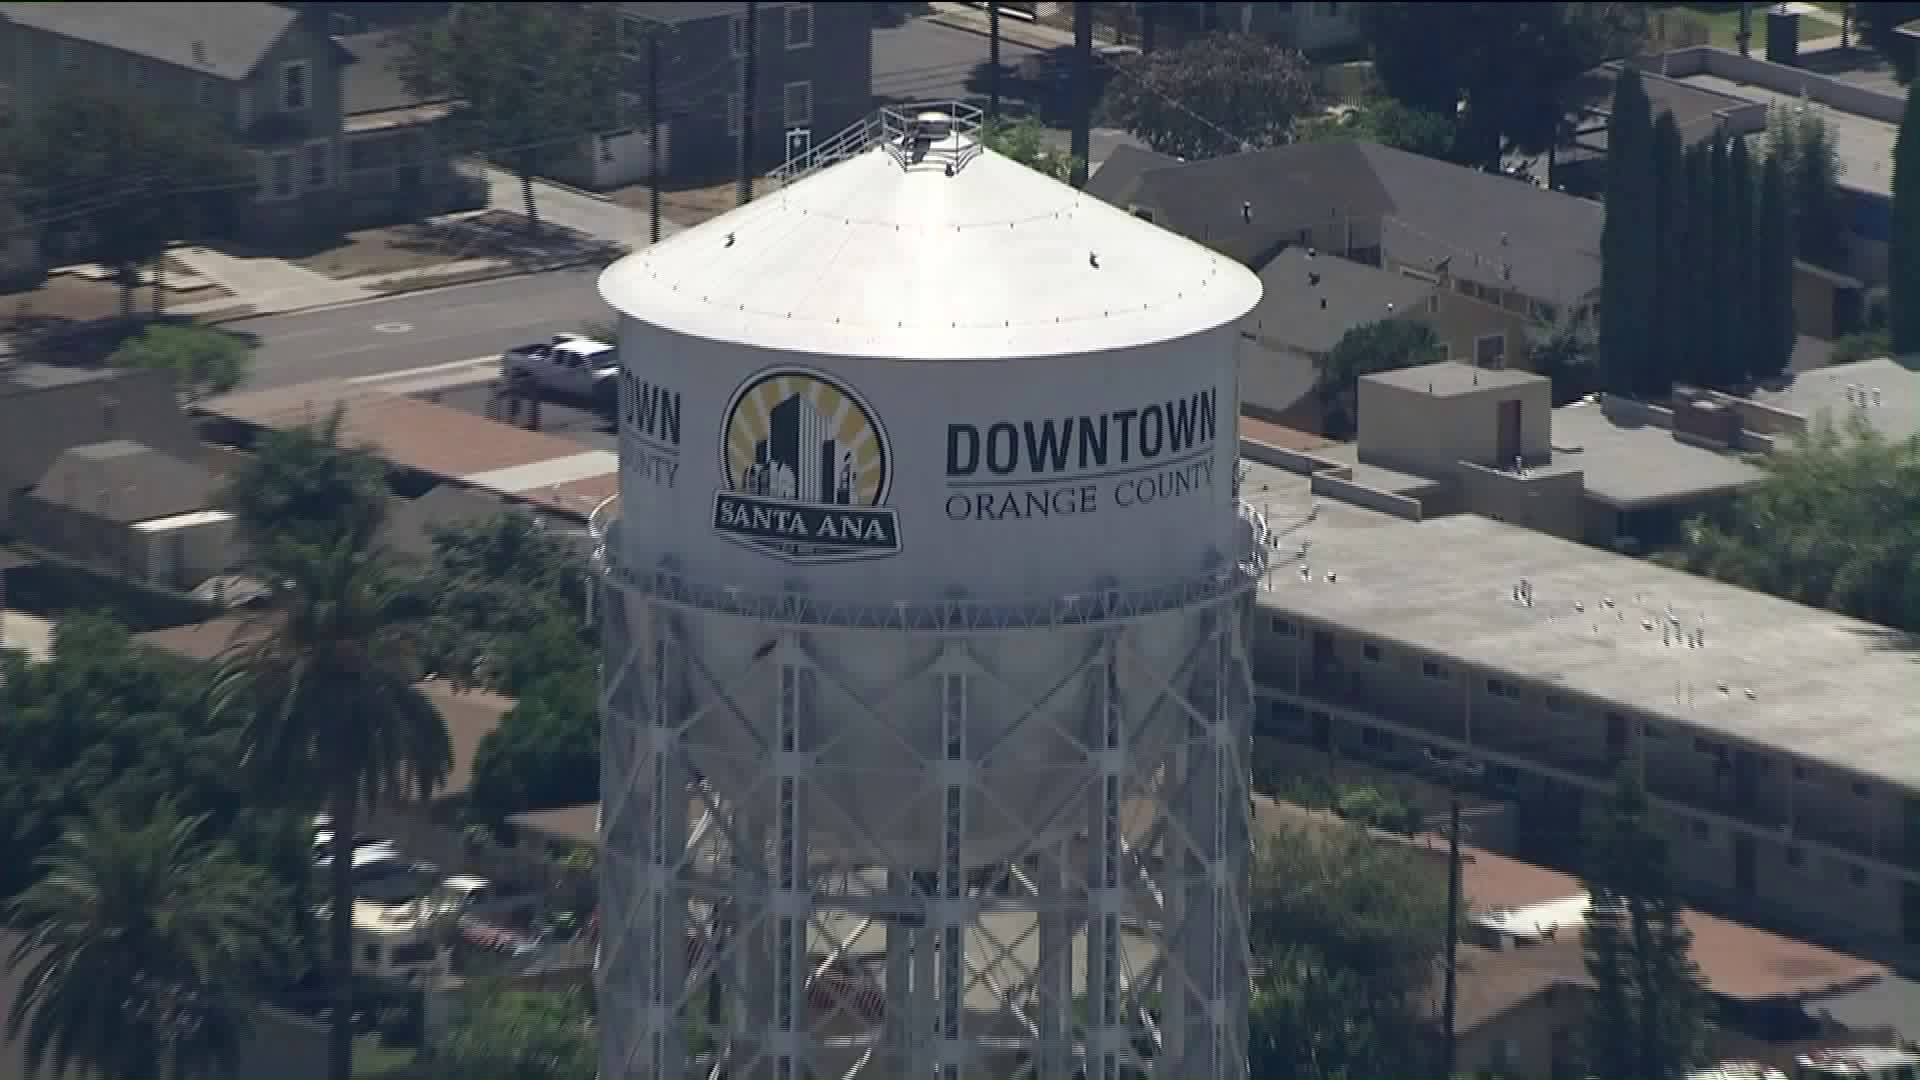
(737, 35)
(1490, 351)
(1432, 670)
(294, 90)
(1281, 628)
(1371, 652)
(1648, 731)
(1502, 689)
(319, 162)
(1433, 303)
(733, 114)
(279, 176)
(799, 26)
(797, 105)
(372, 953)
(413, 954)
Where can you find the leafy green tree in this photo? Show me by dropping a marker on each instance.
(310, 486)
(1348, 932)
(120, 176)
(545, 753)
(508, 603)
(203, 360)
(532, 80)
(142, 950)
(521, 1035)
(1773, 327)
(1743, 281)
(1215, 95)
(1386, 345)
(1649, 1012)
(1801, 138)
(1903, 252)
(331, 714)
(1780, 536)
(1864, 345)
(1510, 70)
(1384, 121)
(1629, 245)
(1566, 350)
(1024, 141)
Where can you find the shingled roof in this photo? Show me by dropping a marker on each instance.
(226, 41)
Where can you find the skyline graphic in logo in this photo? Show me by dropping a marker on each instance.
(807, 468)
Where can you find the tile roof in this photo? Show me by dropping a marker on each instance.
(409, 433)
(124, 481)
(1496, 229)
(225, 40)
(1309, 302)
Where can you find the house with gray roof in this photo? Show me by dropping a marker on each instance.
(1312, 300)
(271, 76)
(127, 507)
(1500, 242)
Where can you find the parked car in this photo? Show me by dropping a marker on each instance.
(569, 366)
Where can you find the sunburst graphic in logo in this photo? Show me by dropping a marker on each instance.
(807, 468)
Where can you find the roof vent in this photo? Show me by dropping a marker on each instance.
(1246, 212)
(199, 52)
(1313, 277)
(1323, 303)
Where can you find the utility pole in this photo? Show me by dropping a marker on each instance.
(1746, 27)
(1082, 90)
(653, 135)
(747, 77)
(1455, 770)
(993, 61)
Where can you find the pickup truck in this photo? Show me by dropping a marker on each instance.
(569, 366)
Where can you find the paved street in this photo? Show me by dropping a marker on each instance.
(421, 329)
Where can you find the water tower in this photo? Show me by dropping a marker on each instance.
(927, 693)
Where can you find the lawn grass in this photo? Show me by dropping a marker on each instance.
(1723, 26)
(373, 1059)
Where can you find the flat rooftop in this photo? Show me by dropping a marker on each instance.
(1865, 146)
(1893, 396)
(1772, 673)
(1630, 464)
(1450, 377)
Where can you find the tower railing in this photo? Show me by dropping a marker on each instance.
(902, 132)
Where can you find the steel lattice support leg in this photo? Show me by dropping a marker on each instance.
(1053, 977)
(1206, 970)
(1106, 1039)
(643, 914)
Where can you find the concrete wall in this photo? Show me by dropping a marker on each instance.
(1549, 503)
(1844, 96)
(1333, 485)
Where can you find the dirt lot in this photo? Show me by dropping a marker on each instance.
(72, 302)
(691, 206)
(495, 234)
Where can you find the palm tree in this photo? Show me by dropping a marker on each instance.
(143, 949)
(331, 713)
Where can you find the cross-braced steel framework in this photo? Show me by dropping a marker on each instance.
(762, 918)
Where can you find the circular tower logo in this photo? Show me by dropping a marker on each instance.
(807, 468)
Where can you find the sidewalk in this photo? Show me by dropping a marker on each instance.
(265, 285)
(1031, 34)
(602, 219)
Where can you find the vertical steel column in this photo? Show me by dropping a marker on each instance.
(791, 894)
(947, 915)
(1053, 976)
(896, 1058)
(1106, 897)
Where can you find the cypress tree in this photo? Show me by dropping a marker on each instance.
(1723, 282)
(1903, 254)
(1742, 329)
(1627, 245)
(1773, 260)
(1674, 311)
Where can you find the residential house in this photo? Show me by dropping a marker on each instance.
(1495, 240)
(397, 162)
(271, 75)
(1310, 301)
(127, 507)
(814, 76)
(1699, 112)
(46, 411)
